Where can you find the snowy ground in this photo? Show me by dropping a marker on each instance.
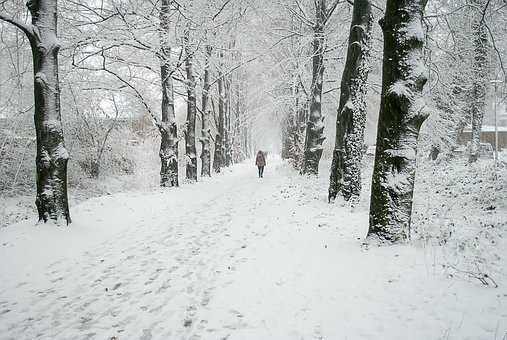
(233, 257)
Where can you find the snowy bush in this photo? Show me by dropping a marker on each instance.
(460, 211)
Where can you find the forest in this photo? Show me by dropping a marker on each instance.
(253, 169)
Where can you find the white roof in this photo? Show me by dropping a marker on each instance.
(487, 128)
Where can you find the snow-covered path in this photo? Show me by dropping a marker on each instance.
(233, 257)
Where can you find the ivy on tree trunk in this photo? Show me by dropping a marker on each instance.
(402, 111)
(190, 150)
(351, 119)
(315, 125)
(480, 78)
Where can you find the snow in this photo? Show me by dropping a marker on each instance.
(401, 88)
(405, 152)
(412, 30)
(233, 257)
(487, 128)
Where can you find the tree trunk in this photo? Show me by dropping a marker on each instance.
(351, 120)
(236, 136)
(315, 125)
(168, 128)
(205, 132)
(218, 158)
(453, 112)
(480, 79)
(190, 150)
(52, 156)
(402, 111)
(227, 129)
(287, 135)
(290, 125)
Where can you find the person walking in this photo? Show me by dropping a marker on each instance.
(260, 161)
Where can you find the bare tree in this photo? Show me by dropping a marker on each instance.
(402, 111)
(480, 72)
(52, 156)
(190, 150)
(167, 127)
(351, 119)
(205, 116)
(94, 132)
(315, 125)
(218, 158)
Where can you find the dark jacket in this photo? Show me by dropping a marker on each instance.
(260, 160)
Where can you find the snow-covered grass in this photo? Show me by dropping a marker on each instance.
(237, 257)
(18, 202)
(460, 212)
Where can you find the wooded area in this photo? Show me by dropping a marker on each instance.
(388, 101)
(110, 51)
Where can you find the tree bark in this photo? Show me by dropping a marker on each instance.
(299, 135)
(218, 157)
(236, 136)
(351, 119)
(295, 126)
(402, 111)
(52, 156)
(168, 128)
(205, 131)
(480, 79)
(286, 135)
(227, 129)
(315, 125)
(290, 124)
(190, 150)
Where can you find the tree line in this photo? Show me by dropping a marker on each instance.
(194, 50)
(222, 107)
(459, 98)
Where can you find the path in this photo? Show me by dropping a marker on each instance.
(233, 257)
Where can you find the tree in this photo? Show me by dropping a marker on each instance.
(226, 144)
(52, 156)
(205, 113)
(480, 72)
(351, 119)
(94, 131)
(450, 54)
(315, 125)
(218, 158)
(295, 125)
(190, 150)
(167, 127)
(228, 107)
(402, 111)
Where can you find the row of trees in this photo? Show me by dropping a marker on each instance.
(228, 63)
(458, 98)
(124, 43)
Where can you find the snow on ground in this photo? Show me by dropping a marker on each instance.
(233, 257)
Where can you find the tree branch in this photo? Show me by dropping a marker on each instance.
(331, 10)
(28, 29)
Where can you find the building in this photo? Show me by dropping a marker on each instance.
(487, 136)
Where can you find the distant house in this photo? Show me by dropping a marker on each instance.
(487, 136)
